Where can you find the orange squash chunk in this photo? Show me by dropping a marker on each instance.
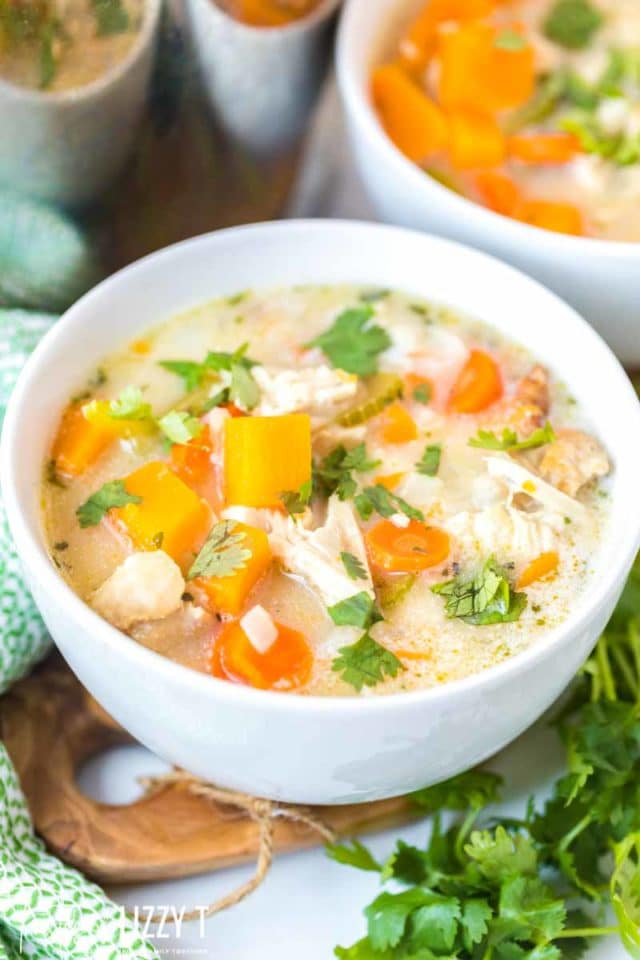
(406, 549)
(475, 140)
(265, 456)
(544, 148)
(478, 385)
(170, 515)
(80, 443)
(286, 665)
(420, 40)
(543, 566)
(389, 480)
(558, 217)
(411, 119)
(228, 594)
(498, 192)
(398, 426)
(475, 71)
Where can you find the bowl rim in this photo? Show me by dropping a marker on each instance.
(358, 104)
(42, 570)
(150, 19)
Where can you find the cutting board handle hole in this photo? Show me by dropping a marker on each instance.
(111, 776)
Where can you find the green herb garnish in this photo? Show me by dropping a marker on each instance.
(242, 388)
(509, 442)
(334, 474)
(352, 343)
(223, 552)
(365, 663)
(111, 17)
(510, 40)
(354, 567)
(357, 611)
(572, 23)
(422, 393)
(179, 426)
(297, 501)
(382, 501)
(111, 494)
(484, 599)
(192, 373)
(130, 405)
(429, 462)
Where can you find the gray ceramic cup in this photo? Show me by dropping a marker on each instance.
(67, 146)
(261, 82)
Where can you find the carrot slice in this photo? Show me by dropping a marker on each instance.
(405, 549)
(228, 594)
(80, 442)
(475, 140)
(411, 119)
(558, 217)
(476, 71)
(398, 426)
(420, 40)
(478, 385)
(192, 461)
(286, 665)
(540, 568)
(543, 148)
(389, 480)
(497, 191)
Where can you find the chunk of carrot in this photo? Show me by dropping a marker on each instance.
(479, 384)
(414, 123)
(265, 456)
(286, 665)
(192, 461)
(79, 442)
(558, 217)
(420, 40)
(228, 594)
(477, 72)
(497, 191)
(475, 140)
(539, 569)
(398, 426)
(262, 13)
(543, 148)
(170, 515)
(406, 549)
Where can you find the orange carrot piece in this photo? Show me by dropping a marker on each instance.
(389, 480)
(476, 72)
(286, 665)
(414, 123)
(475, 140)
(170, 515)
(478, 385)
(406, 549)
(264, 457)
(229, 594)
(543, 148)
(264, 13)
(79, 443)
(497, 191)
(558, 217)
(398, 426)
(414, 654)
(540, 568)
(420, 40)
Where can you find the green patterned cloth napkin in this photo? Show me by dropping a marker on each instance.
(46, 908)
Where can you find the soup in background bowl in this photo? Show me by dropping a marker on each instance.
(310, 748)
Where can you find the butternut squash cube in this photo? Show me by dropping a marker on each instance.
(265, 456)
(170, 516)
(228, 594)
(80, 442)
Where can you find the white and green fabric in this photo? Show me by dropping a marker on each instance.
(47, 910)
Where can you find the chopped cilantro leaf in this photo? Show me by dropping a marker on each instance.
(487, 440)
(357, 611)
(354, 567)
(179, 426)
(572, 23)
(429, 463)
(484, 599)
(192, 373)
(334, 474)
(223, 552)
(111, 494)
(352, 343)
(365, 663)
(130, 405)
(241, 389)
(422, 393)
(382, 501)
(355, 855)
(296, 501)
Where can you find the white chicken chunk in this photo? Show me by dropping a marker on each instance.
(573, 460)
(146, 586)
(319, 391)
(504, 530)
(519, 480)
(314, 555)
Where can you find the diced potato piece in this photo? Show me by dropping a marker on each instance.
(170, 516)
(228, 594)
(264, 456)
(79, 443)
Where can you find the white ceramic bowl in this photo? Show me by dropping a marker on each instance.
(312, 749)
(599, 278)
(67, 146)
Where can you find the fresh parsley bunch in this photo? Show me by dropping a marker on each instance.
(531, 889)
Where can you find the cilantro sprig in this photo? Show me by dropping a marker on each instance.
(533, 888)
(111, 494)
(572, 23)
(354, 567)
(429, 462)
(509, 442)
(224, 552)
(297, 501)
(353, 343)
(378, 499)
(242, 389)
(365, 663)
(483, 599)
(334, 474)
(357, 611)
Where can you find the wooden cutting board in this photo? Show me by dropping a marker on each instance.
(51, 726)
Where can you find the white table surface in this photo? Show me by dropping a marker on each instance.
(308, 903)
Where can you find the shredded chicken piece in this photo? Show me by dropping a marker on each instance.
(319, 391)
(504, 530)
(573, 460)
(525, 485)
(531, 401)
(315, 554)
(146, 586)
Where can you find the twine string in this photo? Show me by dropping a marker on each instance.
(262, 812)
